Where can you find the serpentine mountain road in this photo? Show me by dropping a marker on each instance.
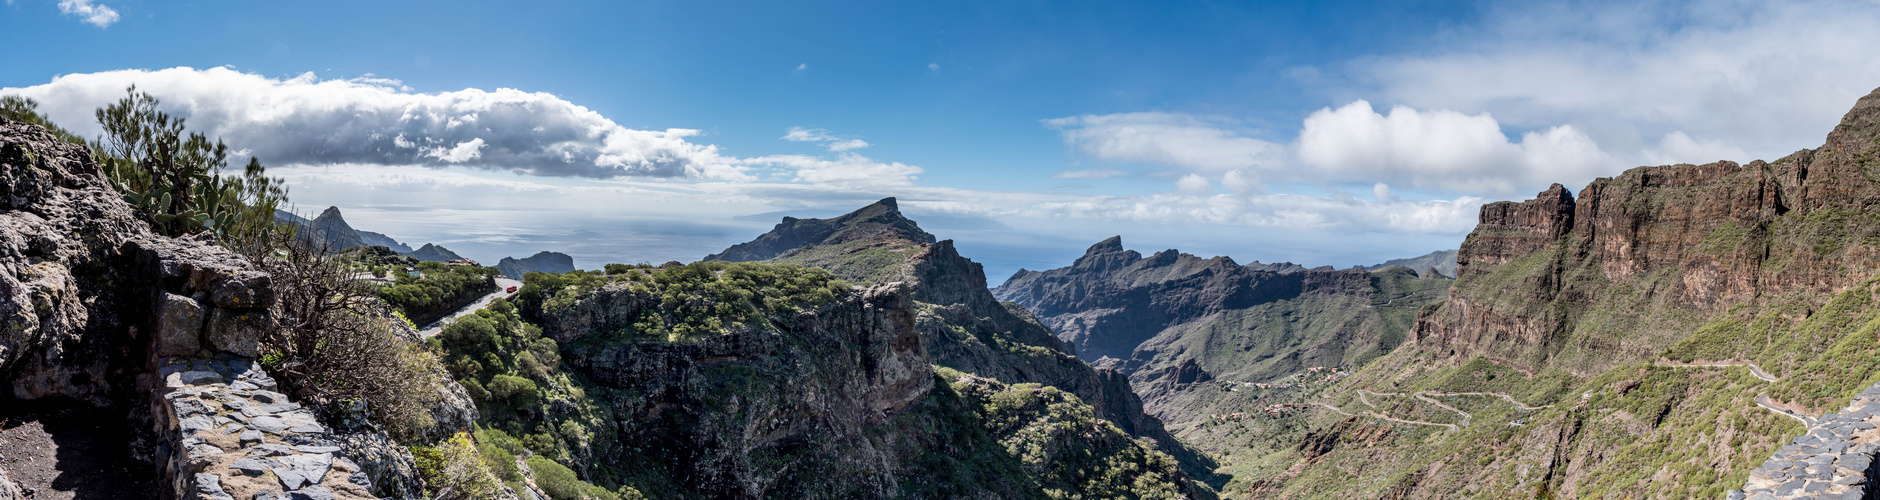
(502, 287)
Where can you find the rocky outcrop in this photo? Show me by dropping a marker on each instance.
(1679, 240)
(882, 220)
(164, 331)
(963, 326)
(547, 262)
(808, 392)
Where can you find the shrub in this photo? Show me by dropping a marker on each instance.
(561, 483)
(455, 469)
(513, 391)
(335, 343)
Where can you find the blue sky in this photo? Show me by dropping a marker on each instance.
(1325, 133)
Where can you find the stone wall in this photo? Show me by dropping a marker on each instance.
(1834, 460)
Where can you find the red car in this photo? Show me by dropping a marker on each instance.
(511, 290)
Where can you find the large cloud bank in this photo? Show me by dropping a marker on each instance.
(305, 120)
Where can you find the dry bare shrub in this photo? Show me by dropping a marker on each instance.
(337, 342)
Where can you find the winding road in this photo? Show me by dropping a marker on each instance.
(1757, 371)
(1762, 399)
(502, 291)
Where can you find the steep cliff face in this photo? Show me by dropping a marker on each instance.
(963, 326)
(1656, 336)
(1550, 280)
(722, 411)
(838, 400)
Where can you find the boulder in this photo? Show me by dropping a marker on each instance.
(238, 332)
(243, 290)
(179, 325)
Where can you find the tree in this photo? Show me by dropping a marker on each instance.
(176, 178)
(24, 109)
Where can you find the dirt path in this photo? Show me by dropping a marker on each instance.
(1381, 416)
(1762, 399)
(1753, 369)
(73, 454)
(1425, 396)
(1510, 399)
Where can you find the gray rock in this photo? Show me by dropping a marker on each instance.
(253, 466)
(202, 450)
(1734, 495)
(238, 332)
(270, 494)
(243, 385)
(251, 436)
(269, 424)
(270, 397)
(1791, 487)
(243, 290)
(195, 424)
(189, 407)
(315, 492)
(308, 429)
(270, 450)
(1816, 487)
(179, 325)
(209, 487)
(298, 471)
(316, 449)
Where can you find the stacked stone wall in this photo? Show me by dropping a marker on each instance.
(1836, 459)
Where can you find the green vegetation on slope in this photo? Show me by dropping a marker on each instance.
(441, 288)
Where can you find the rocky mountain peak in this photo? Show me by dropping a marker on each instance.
(880, 221)
(1108, 245)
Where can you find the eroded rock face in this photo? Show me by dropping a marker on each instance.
(1671, 239)
(96, 308)
(719, 404)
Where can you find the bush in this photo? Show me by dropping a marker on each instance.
(335, 344)
(561, 483)
(455, 469)
(513, 391)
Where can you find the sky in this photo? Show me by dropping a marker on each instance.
(1323, 133)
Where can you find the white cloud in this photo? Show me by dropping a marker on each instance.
(306, 120)
(1171, 139)
(1442, 150)
(462, 152)
(1095, 173)
(828, 140)
(1639, 78)
(800, 68)
(1438, 150)
(933, 67)
(1193, 184)
(1239, 182)
(97, 15)
(1381, 191)
(848, 171)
